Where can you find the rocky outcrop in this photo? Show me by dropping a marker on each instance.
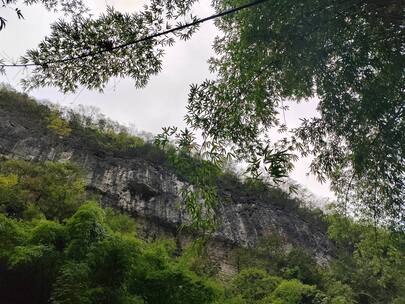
(150, 192)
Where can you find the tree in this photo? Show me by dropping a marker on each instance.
(94, 256)
(293, 292)
(102, 47)
(55, 190)
(348, 54)
(369, 259)
(253, 285)
(83, 260)
(69, 7)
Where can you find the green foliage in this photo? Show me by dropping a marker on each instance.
(182, 154)
(28, 189)
(67, 7)
(339, 293)
(293, 292)
(122, 140)
(26, 255)
(253, 285)
(99, 131)
(271, 254)
(120, 222)
(24, 105)
(12, 234)
(370, 260)
(203, 265)
(72, 284)
(174, 150)
(368, 266)
(85, 227)
(85, 34)
(256, 286)
(93, 256)
(200, 198)
(49, 233)
(84, 261)
(60, 251)
(200, 204)
(58, 125)
(347, 54)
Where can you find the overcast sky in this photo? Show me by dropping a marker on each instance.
(162, 102)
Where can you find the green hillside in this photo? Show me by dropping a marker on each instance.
(58, 245)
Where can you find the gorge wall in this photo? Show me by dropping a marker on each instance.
(150, 192)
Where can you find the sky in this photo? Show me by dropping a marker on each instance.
(162, 102)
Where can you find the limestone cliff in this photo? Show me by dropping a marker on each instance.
(148, 191)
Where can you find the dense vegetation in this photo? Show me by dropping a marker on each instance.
(177, 153)
(346, 54)
(58, 247)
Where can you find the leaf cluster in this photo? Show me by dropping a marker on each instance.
(51, 190)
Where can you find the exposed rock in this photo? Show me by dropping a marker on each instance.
(150, 192)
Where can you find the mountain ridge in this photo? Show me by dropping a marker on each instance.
(137, 184)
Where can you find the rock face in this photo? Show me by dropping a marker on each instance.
(150, 192)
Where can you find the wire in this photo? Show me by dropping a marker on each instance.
(146, 38)
(77, 96)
